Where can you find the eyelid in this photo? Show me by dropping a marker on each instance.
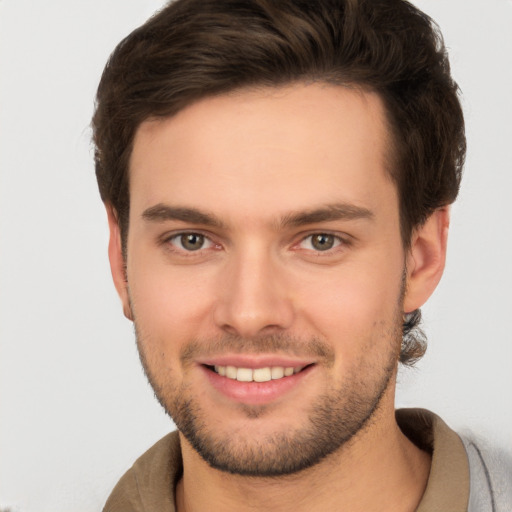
(168, 239)
(342, 240)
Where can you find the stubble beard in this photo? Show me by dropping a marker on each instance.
(335, 418)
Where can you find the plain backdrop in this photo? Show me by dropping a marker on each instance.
(75, 409)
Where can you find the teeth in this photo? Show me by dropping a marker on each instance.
(244, 375)
(258, 374)
(262, 375)
(277, 372)
(231, 372)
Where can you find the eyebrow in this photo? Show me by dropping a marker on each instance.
(331, 212)
(340, 211)
(162, 212)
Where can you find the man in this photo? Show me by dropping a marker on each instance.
(277, 177)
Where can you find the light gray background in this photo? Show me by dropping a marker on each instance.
(75, 407)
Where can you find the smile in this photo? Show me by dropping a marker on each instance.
(244, 380)
(264, 374)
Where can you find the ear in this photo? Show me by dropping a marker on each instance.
(426, 259)
(117, 263)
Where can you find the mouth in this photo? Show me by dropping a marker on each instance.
(260, 379)
(263, 374)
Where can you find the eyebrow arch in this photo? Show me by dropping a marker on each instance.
(342, 211)
(162, 212)
(331, 212)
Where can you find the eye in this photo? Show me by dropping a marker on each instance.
(320, 242)
(190, 242)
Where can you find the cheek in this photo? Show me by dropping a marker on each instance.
(169, 304)
(352, 307)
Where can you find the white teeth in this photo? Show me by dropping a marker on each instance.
(258, 374)
(262, 375)
(277, 372)
(231, 372)
(244, 375)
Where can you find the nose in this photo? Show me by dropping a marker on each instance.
(253, 297)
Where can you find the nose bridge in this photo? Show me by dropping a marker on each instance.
(253, 296)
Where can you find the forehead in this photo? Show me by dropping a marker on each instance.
(275, 149)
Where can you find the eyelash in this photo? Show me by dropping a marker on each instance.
(182, 250)
(339, 242)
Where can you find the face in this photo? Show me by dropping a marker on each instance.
(265, 270)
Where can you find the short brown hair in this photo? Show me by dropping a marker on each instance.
(197, 48)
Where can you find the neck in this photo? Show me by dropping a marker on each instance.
(378, 466)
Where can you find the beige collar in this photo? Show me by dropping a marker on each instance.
(448, 483)
(149, 484)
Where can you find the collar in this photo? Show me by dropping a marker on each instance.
(149, 485)
(448, 482)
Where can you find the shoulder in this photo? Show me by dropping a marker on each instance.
(490, 472)
(465, 468)
(149, 484)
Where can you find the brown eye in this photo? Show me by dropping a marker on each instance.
(323, 241)
(192, 241)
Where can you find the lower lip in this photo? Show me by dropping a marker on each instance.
(255, 393)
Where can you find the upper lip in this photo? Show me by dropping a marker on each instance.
(255, 361)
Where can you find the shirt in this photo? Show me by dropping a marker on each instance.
(148, 486)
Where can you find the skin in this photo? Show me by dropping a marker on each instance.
(259, 289)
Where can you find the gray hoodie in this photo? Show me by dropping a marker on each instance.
(490, 475)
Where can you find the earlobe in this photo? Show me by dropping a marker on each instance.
(426, 259)
(117, 262)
